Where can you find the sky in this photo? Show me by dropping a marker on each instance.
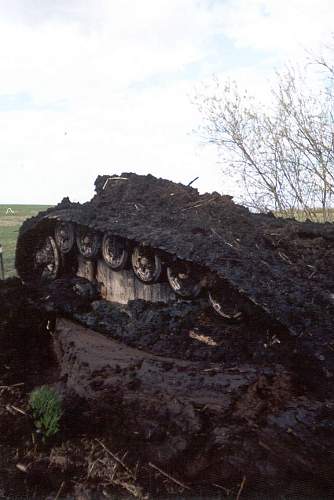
(92, 87)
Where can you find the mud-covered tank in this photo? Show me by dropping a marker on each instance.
(149, 238)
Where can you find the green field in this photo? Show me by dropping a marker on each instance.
(9, 227)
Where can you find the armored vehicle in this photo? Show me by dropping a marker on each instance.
(149, 238)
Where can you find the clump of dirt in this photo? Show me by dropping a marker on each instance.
(187, 330)
(66, 296)
(182, 330)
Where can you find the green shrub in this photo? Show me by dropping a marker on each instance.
(46, 409)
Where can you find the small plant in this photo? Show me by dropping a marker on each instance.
(46, 409)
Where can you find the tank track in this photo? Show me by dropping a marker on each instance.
(244, 261)
(61, 242)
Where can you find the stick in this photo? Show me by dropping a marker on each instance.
(18, 410)
(241, 487)
(10, 386)
(1, 264)
(169, 477)
(59, 491)
(118, 460)
(227, 491)
(205, 202)
(191, 182)
(113, 179)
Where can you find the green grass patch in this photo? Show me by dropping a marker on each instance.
(46, 409)
(9, 228)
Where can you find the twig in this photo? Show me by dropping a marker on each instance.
(241, 488)
(214, 232)
(226, 490)
(118, 460)
(21, 467)
(213, 369)
(18, 410)
(191, 182)
(176, 481)
(59, 491)
(266, 447)
(284, 257)
(113, 179)
(91, 467)
(10, 386)
(205, 202)
(132, 489)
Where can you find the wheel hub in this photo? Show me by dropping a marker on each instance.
(114, 252)
(223, 305)
(88, 242)
(64, 236)
(146, 265)
(183, 280)
(46, 259)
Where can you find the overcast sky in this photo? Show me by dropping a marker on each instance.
(92, 87)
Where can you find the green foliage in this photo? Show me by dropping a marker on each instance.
(46, 410)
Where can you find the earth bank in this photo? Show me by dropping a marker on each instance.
(158, 400)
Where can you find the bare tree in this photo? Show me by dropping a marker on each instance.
(282, 155)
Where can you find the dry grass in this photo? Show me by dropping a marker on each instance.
(301, 216)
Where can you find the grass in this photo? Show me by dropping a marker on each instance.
(317, 215)
(9, 228)
(46, 409)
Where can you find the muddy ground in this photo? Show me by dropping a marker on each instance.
(159, 401)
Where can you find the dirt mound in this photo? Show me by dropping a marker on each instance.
(281, 265)
(219, 423)
(203, 405)
(221, 416)
(183, 330)
(186, 330)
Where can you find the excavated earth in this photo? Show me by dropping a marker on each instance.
(281, 265)
(158, 400)
(169, 399)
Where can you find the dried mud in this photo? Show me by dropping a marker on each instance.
(279, 264)
(228, 404)
(202, 406)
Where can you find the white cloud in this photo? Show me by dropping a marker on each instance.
(109, 82)
(286, 27)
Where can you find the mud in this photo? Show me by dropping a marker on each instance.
(281, 265)
(215, 421)
(235, 409)
(186, 330)
(209, 413)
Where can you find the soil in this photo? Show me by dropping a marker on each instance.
(170, 400)
(229, 410)
(279, 264)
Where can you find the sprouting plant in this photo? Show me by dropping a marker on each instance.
(46, 409)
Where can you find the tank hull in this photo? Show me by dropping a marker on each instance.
(122, 286)
(280, 266)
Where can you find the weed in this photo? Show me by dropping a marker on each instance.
(46, 409)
